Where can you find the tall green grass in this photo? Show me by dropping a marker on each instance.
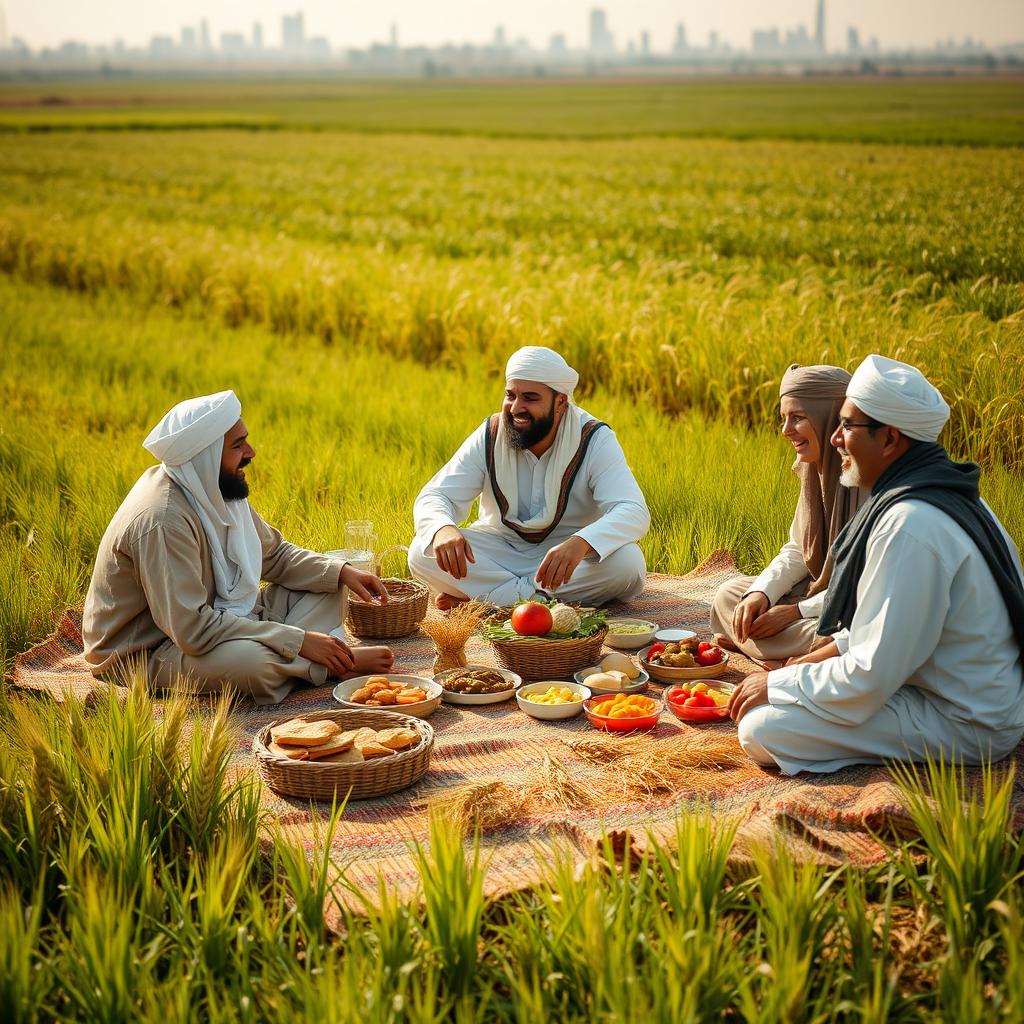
(685, 274)
(221, 919)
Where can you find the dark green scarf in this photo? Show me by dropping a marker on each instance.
(925, 473)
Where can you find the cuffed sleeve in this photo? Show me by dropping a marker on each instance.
(625, 518)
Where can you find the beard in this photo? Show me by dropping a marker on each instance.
(232, 486)
(849, 477)
(521, 438)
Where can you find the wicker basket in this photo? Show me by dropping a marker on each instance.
(533, 658)
(405, 610)
(318, 780)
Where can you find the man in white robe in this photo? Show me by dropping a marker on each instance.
(928, 595)
(176, 585)
(560, 510)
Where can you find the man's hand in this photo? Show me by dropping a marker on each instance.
(749, 694)
(452, 551)
(746, 613)
(324, 649)
(560, 562)
(364, 585)
(773, 621)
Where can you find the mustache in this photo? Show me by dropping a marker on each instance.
(244, 463)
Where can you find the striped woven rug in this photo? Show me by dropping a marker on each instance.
(828, 819)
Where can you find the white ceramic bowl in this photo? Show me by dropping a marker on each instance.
(552, 712)
(344, 690)
(636, 686)
(478, 698)
(630, 641)
(668, 636)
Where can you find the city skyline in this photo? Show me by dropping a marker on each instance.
(649, 25)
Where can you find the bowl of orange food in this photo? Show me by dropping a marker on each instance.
(410, 695)
(623, 712)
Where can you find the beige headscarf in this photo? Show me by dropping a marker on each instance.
(824, 506)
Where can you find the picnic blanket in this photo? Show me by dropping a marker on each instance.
(830, 819)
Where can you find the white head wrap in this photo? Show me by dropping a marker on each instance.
(189, 441)
(542, 366)
(898, 395)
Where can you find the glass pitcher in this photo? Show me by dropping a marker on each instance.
(360, 543)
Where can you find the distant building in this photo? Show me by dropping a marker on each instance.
(257, 35)
(602, 42)
(204, 35)
(161, 47)
(394, 35)
(852, 40)
(680, 45)
(499, 38)
(557, 46)
(765, 42)
(293, 32)
(645, 43)
(819, 28)
(232, 44)
(188, 39)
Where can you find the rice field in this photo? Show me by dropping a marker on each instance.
(361, 290)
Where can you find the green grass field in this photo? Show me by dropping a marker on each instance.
(976, 112)
(360, 286)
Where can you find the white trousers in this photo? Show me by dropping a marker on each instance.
(908, 727)
(504, 574)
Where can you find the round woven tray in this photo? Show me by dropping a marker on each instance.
(406, 608)
(324, 781)
(534, 658)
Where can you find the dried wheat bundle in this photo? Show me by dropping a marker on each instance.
(483, 805)
(449, 634)
(644, 769)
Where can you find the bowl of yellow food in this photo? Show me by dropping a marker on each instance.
(553, 700)
(630, 634)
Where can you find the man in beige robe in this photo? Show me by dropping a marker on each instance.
(176, 590)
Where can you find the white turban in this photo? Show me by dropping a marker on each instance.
(898, 395)
(542, 366)
(189, 441)
(193, 425)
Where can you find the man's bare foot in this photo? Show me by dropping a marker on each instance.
(443, 602)
(369, 660)
(725, 643)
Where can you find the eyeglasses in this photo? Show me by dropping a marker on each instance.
(847, 425)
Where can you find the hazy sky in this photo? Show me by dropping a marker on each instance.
(895, 22)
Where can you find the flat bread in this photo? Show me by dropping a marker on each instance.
(292, 753)
(364, 735)
(298, 733)
(371, 749)
(351, 756)
(398, 738)
(330, 748)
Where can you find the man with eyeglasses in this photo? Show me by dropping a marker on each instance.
(925, 606)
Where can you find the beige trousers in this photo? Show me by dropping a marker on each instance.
(795, 640)
(247, 666)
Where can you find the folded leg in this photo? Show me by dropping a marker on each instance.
(792, 642)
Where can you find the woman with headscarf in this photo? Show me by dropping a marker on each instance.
(774, 616)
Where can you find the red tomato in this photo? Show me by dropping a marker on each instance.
(712, 656)
(531, 618)
(704, 645)
(678, 694)
(655, 649)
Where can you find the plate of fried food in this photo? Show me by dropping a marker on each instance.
(411, 695)
(477, 684)
(685, 659)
